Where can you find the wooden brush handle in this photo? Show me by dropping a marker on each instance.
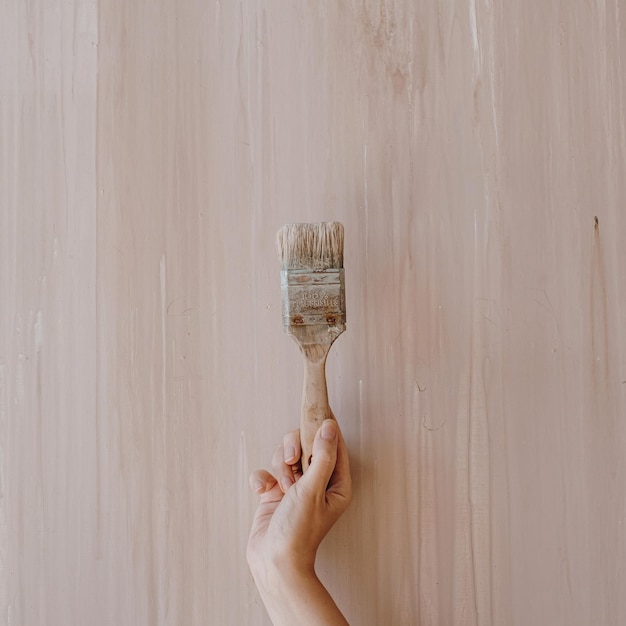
(315, 408)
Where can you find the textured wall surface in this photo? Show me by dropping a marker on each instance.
(475, 151)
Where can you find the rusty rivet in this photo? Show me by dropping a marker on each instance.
(331, 319)
(298, 319)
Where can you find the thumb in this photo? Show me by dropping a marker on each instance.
(323, 459)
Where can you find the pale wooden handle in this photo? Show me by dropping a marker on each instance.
(315, 408)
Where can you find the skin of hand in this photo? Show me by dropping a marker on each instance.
(294, 514)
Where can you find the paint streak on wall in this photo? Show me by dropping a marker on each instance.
(475, 152)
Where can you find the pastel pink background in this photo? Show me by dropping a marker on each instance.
(475, 151)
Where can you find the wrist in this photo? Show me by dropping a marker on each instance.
(281, 572)
(293, 594)
(281, 585)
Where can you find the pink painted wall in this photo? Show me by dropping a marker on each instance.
(475, 152)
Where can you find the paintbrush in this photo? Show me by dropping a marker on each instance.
(314, 311)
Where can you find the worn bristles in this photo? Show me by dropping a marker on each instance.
(311, 246)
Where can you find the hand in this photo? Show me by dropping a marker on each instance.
(295, 513)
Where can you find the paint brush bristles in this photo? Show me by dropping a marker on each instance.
(311, 246)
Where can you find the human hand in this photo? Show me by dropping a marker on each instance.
(296, 511)
(294, 514)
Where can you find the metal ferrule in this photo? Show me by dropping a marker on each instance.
(313, 297)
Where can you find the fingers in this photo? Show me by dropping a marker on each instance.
(324, 457)
(340, 483)
(291, 446)
(329, 469)
(261, 481)
(285, 473)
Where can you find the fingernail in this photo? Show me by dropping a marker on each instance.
(286, 482)
(290, 454)
(258, 485)
(329, 430)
